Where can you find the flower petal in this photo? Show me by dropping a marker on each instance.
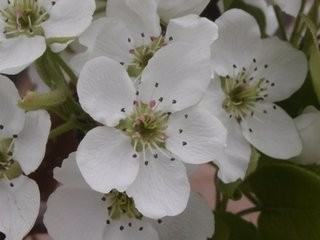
(161, 187)
(30, 145)
(291, 7)
(17, 53)
(195, 136)
(69, 18)
(308, 125)
(107, 160)
(11, 116)
(238, 30)
(192, 29)
(169, 9)
(178, 74)
(140, 16)
(105, 91)
(75, 214)
(69, 173)
(19, 206)
(195, 223)
(282, 65)
(234, 161)
(106, 37)
(272, 131)
(130, 229)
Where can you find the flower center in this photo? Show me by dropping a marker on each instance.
(8, 167)
(23, 17)
(120, 204)
(242, 91)
(146, 126)
(143, 54)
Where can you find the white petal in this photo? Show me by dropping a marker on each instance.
(19, 206)
(169, 9)
(17, 53)
(107, 160)
(280, 64)
(193, 29)
(308, 125)
(237, 32)
(105, 91)
(107, 37)
(179, 74)
(161, 188)
(68, 18)
(140, 16)
(30, 145)
(130, 229)
(234, 161)
(75, 214)
(291, 7)
(11, 116)
(69, 173)
(195, 223)
(195, 136)
(272, 131)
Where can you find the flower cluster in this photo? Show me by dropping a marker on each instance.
(151, 90)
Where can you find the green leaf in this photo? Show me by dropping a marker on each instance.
(233, 227)
(314, 64)
(227, 4)
(289, 198)
(230, 190)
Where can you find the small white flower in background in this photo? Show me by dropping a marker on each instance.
(252, 73)
(131, 34)
(23, 138)
(169, 9)
(308, 124)
(25, 25)
(76, 212)
(148, 132)
(290, 7)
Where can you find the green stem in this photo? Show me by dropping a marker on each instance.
(295, 37)
(64, 128)
(249, 211)
(251, 198)
(281, 23)
(35, 101)
(65, 67)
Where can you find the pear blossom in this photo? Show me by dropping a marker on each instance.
(131, 34)
(308, 124)
(23, 138)
(25, 25)
(76, 212)
(148, 133)
(251, 74)
(291, 7)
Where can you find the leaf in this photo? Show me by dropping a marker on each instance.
(314, 64)
(227, 4)
(230, 190)
(289, 198)
(233, 227)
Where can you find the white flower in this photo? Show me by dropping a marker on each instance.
(131, 34)
(148, 132)
(290, 7)
(23, 138)
(76, 212)
(169, 9)
(252, 74)
(308, 125)
(26, 24)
